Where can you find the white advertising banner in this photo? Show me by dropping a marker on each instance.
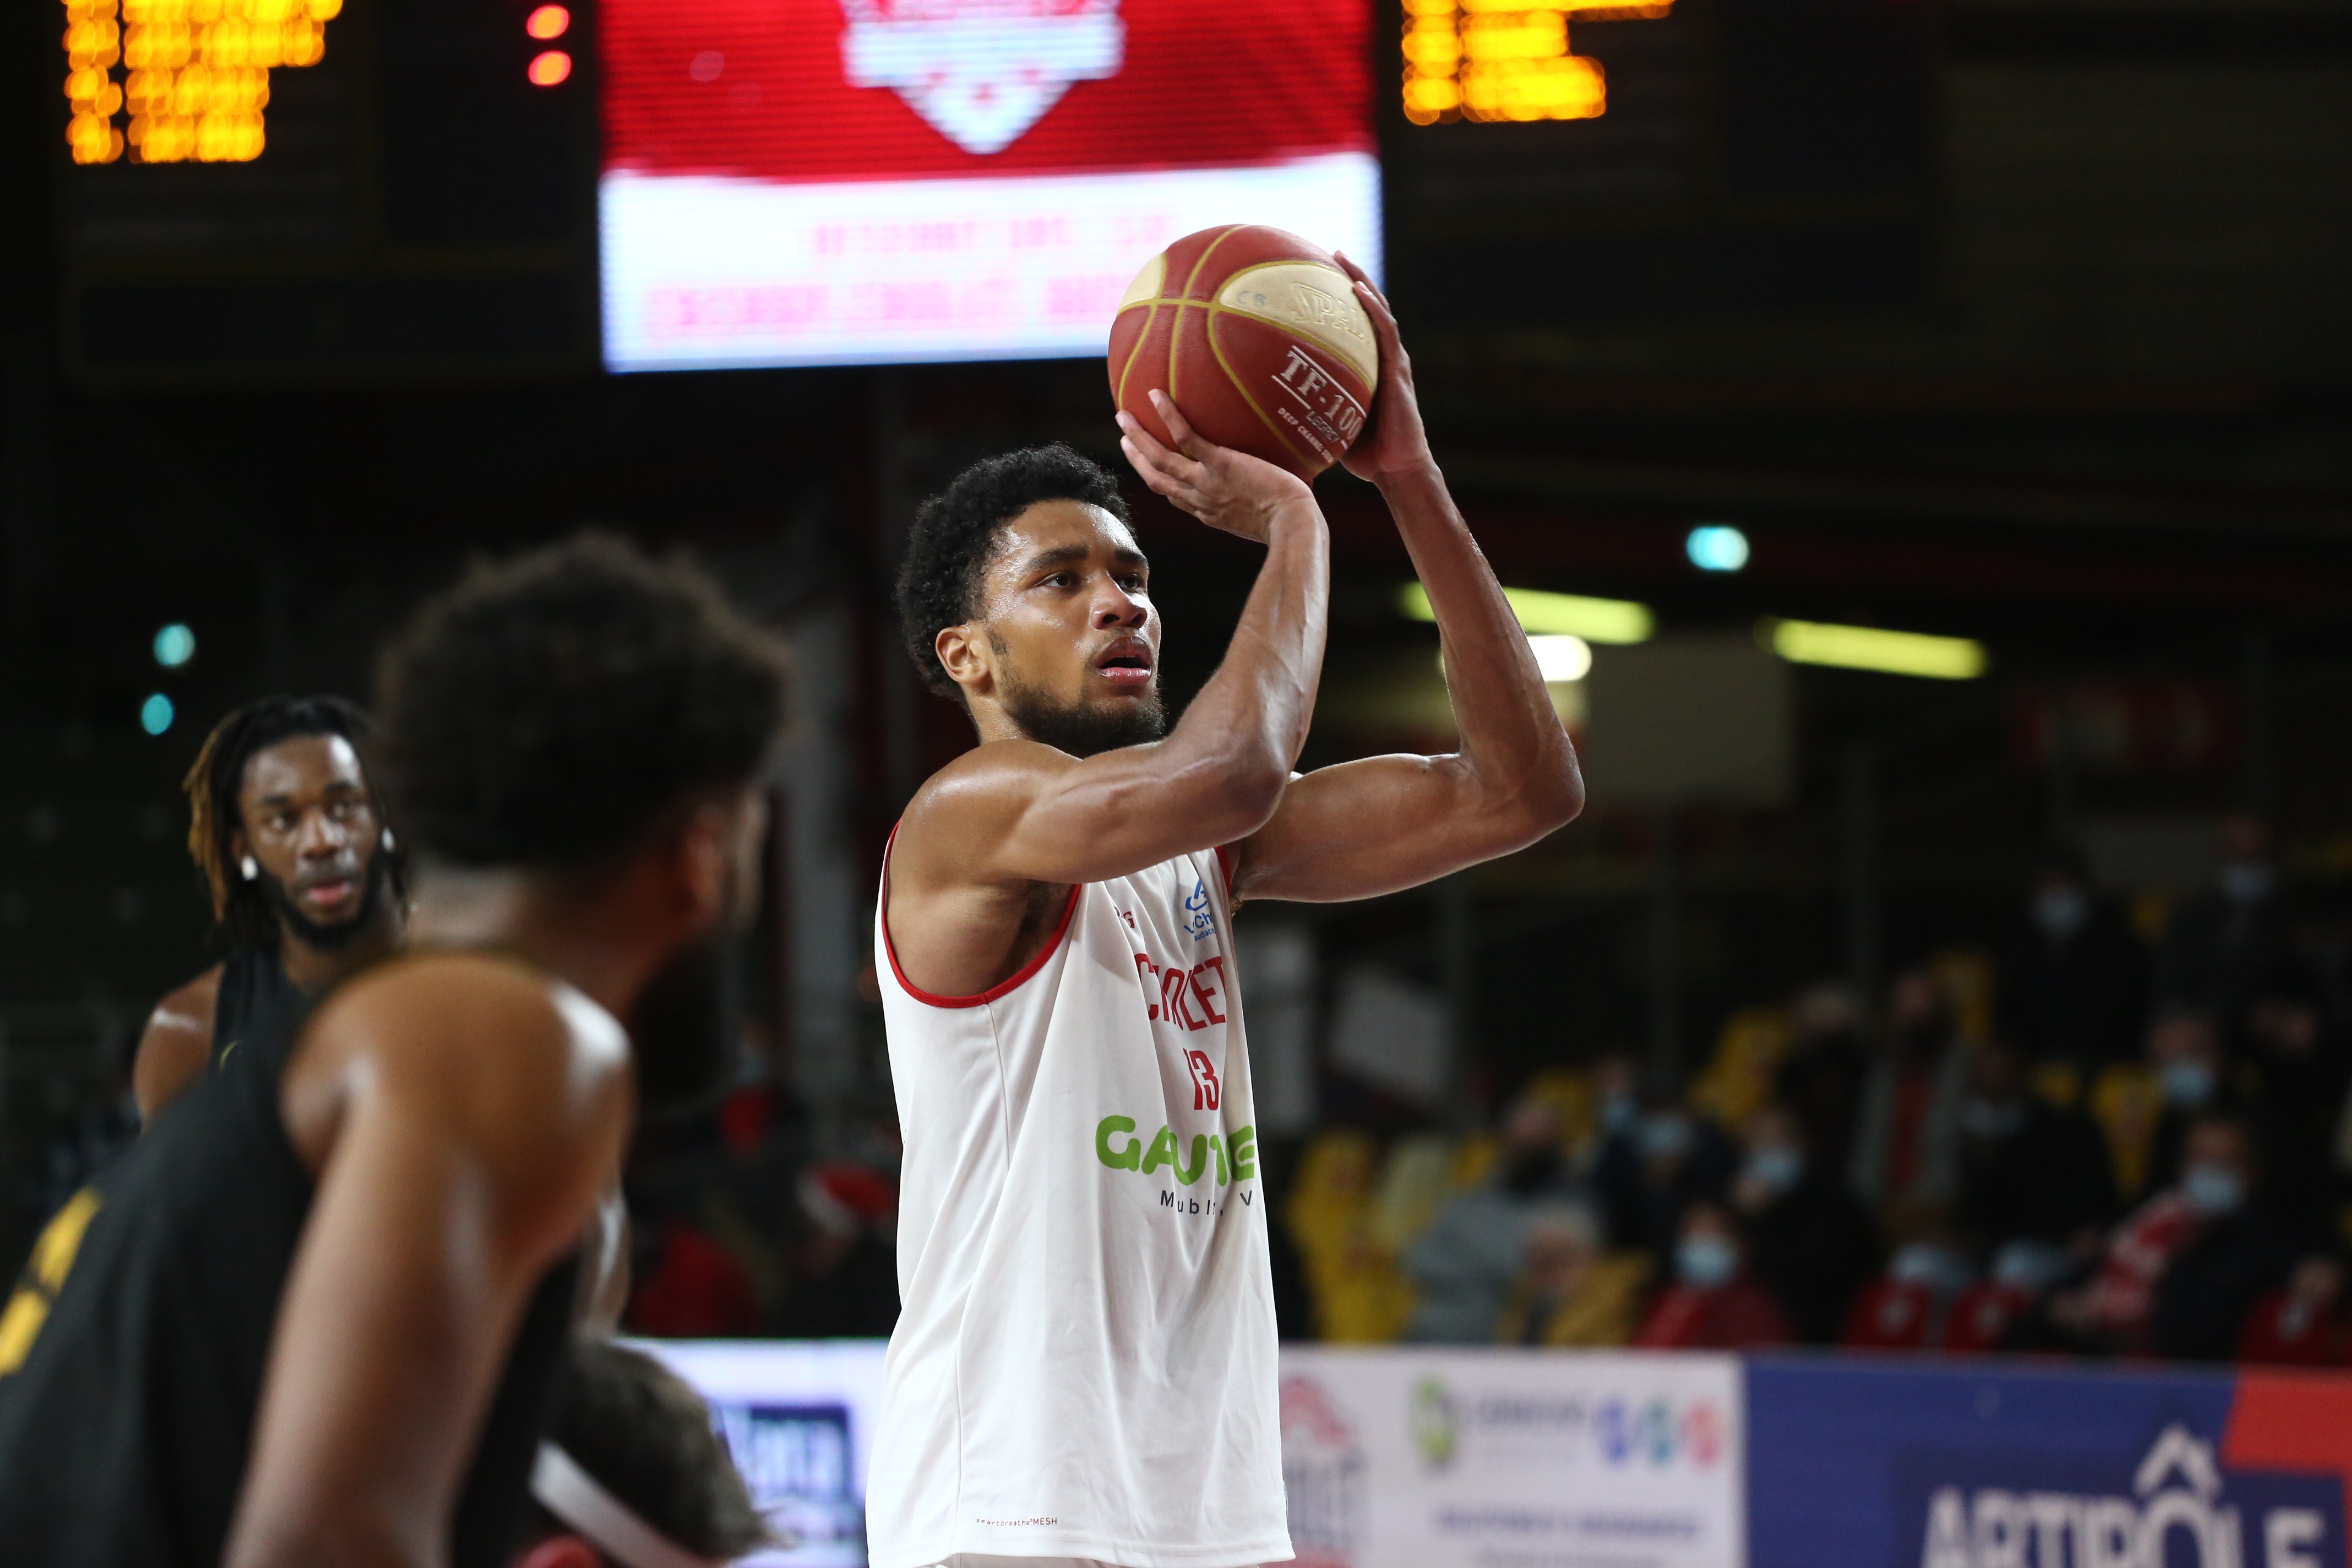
(1502, 1458)
(1393, 1457)
(712, 271)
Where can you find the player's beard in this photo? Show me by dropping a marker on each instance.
(334, 938)
(1084, 728)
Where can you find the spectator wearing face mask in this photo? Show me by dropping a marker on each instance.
(1810, 1243)
(1906, 1143)
(1653, 1168)
(2074, 979)
(2185, 1052)
(2181, 1273)
(2219, 945)
(2029, 1170)
(1462, 1265)
(1822, 1078)
(1571, 1294)
(2297, 1068)
(1712, 1303)
(2301, 1323)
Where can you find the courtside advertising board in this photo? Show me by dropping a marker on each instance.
(828, 182)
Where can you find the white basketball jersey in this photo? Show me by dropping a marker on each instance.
(1083, 1365)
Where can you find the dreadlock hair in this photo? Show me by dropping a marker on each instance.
(548, 710)
(954, 536)
(217, 778)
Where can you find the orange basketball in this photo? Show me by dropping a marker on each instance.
(1259, 338)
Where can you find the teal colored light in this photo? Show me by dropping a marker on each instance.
(174, 646)
(1717, 547)
(155, 714)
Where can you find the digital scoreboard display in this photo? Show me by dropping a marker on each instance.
(830, 182)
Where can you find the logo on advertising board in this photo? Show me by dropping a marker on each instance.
(2178, 1508)
(1533, 1425)
(1323, 1475)
(981, 71)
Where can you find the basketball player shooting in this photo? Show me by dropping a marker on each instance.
(1085, 1364)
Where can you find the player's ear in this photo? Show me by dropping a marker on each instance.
(967, 655)
(560, 1552)
(707, 844)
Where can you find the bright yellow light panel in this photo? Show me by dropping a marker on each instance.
(194, 74)
(1506, 60)
(1872, 648)
(1544, 614)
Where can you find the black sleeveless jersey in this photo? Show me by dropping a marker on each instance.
(132, 1353)
(254, 998)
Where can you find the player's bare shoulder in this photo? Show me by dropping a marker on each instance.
(513, 1056)
(969, 805)
(176, 1044)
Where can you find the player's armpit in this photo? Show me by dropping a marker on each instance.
(470, 1128)
(1381, 824)
(176, 1046)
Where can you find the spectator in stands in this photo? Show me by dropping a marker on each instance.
(2181, 1273)
(2301, 1323)
(1810, 1243)
(1823, 1077)
(1649, 1172)
(1462, 1267)
(1907, 1142)
(2075, 978)
(1712, 1303)
(2220, 944)
(2029, 1171)
(2184, 1049)
(1570, 1293)
(844, 1269)
(2298, 1071)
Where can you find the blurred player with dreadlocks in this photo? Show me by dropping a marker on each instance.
(286, 829)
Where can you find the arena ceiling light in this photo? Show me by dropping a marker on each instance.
(1543, 613)
(1873, 648)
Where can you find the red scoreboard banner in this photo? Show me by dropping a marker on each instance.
(774, 168)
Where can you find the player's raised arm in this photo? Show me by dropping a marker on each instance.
(1385, 823)
(1057, 661)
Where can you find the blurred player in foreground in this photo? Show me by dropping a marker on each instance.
(316, 1315)
(632, 1475)
(293, 847)
(1085, 1366)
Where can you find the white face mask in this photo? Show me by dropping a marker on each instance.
(1774, 1167)
(2247, 882)
(2213, 1190)
(2188, 1083)
(1705, 1261)
(1983, 1118)
(2061, 910)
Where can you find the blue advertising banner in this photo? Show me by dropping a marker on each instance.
(1867, 1462)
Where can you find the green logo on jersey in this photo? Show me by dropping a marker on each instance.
(1235, 1154)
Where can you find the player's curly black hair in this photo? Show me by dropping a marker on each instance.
(548, 710)
(646, 1436)
(955, 534)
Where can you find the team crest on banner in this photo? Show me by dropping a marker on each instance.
(981, 71)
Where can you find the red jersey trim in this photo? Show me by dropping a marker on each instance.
(1225, 863)
(1002, 988)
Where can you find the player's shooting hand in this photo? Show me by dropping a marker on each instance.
(1393, 443)
(1221, 487)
